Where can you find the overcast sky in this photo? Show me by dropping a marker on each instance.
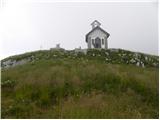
(26, 25)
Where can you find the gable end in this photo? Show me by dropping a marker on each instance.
(94, 30)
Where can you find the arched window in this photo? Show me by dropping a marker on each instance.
(93, 41)
(102, 41)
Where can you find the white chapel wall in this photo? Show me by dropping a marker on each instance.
(97, 33)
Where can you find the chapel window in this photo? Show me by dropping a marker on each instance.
(92, 40)
(102, 41)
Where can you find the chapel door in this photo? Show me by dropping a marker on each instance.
(97, 42)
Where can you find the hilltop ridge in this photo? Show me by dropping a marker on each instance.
(114, 56)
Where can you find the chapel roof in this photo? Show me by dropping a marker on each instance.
(98, 27)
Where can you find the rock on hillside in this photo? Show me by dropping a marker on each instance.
(114, 56)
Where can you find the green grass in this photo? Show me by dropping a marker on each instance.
(67, 88)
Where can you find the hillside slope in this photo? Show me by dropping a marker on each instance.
(69, 84)
(115, 56)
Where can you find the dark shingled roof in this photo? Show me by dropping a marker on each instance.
(99, 29)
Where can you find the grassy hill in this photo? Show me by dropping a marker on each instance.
(69, 84)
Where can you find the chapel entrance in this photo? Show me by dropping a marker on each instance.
(97, 42)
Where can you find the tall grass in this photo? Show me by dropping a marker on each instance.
(79, 89)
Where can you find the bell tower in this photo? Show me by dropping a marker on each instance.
(95, 23)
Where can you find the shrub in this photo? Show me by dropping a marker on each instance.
(8, 83)
(108, 83)
(20, 110)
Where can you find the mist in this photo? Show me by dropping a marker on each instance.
(28, 26)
